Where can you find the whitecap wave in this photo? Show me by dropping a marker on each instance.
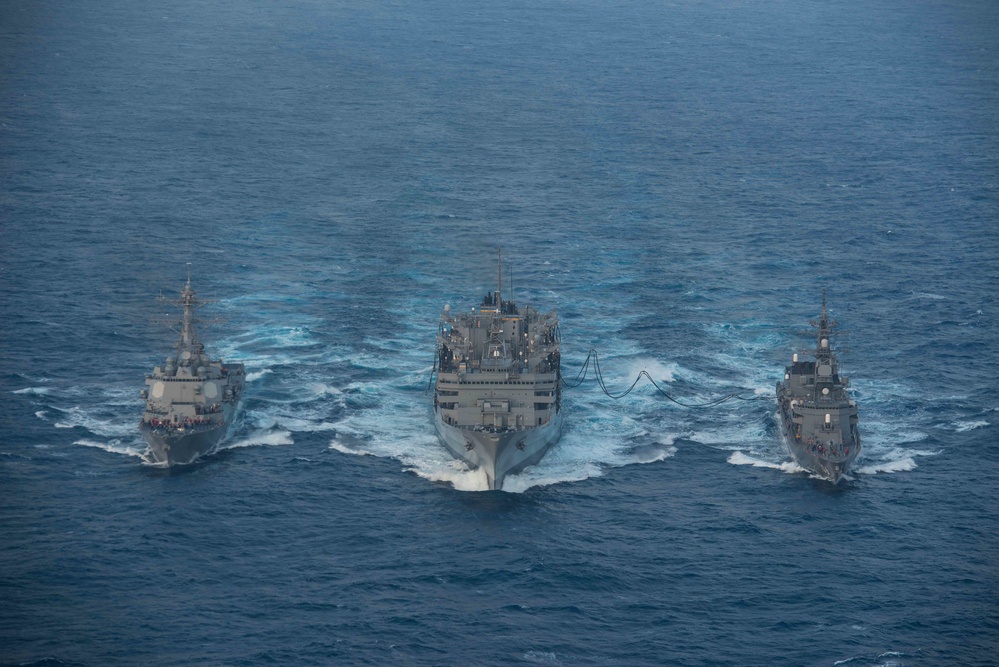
(542, 657)
(278, 337)
(41, 414)
(80, 417)
(304, 425)
(34, 391)
(740, 459)
(321, 389)
(269, 437)
(659, 371)
(964, 426)
(306, 416)
(899, 465)
(256, 375)
(734, 432)
(654, 454)
(114, 447)
(453, 472)
(338, 446)
(924, 452)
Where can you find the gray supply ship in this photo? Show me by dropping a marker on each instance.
(498, 394)
(818, 419)
(192, 399)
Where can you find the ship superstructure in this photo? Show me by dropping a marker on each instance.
(498, 395)
(818, 419)
(190, 400)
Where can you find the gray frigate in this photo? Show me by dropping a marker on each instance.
(818, 419)
(498, 394)
(190, 400)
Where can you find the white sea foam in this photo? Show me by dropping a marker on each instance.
(370, 361)
(268, 437)
(321, 389)
(114, 446)
(455, 474)
(251, 377)
(118, 396)
(963, 426)
(304, 425)
(279, 337)
(41, 414)
(740, 459)
(659, 371)
(263, 347)
(924, 452)
(339, 446)
(542, 657)
(78, 416)
(34, 391)
(735, 432)
(308, 414)
(659, 455)
(899, 465)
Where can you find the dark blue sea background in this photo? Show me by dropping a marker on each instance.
(680, 180)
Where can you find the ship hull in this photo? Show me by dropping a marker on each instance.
(180, 448)
(830, 469)
(827, 469)
(501, 453)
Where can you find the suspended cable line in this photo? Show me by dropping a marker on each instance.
(598, 374)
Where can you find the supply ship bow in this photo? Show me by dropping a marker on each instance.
(497, 396)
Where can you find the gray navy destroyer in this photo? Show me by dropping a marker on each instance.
(190, 400)
(498, 395)
(818, 419)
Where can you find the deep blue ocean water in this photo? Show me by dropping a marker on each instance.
(679, 179)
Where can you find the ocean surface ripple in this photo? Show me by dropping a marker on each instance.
(680, 180)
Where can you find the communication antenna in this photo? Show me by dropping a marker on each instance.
(499, 277)
(511, 283)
